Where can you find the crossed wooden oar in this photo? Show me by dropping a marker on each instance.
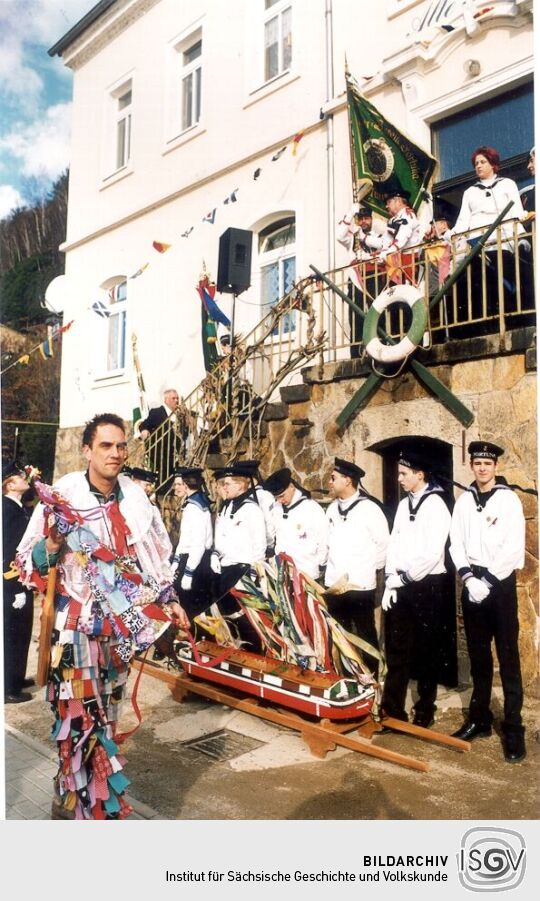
(431, 382)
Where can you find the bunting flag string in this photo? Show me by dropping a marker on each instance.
(45, 347)
(210, 217)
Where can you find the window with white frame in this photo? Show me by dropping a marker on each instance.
(111, 328)
(190, 53)
(277, 37)
(277, 260)
(122, 99)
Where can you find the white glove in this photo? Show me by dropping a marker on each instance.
(393, 581)
(186, 582)
(355, 209)
(478, 590)
(20, 600)
(389, 598)
(215, 563)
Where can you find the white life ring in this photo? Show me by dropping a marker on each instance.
(392, 353)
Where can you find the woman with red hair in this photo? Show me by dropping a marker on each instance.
(488, 196)
(481, 204)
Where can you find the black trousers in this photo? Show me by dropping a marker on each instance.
(355, 611)
(495, 618)
(414, 636)
(17, 635)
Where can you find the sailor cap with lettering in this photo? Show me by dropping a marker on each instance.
(485, 449)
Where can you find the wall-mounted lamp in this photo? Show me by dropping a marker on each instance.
(472, 67)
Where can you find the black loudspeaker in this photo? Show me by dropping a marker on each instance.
(234, 265)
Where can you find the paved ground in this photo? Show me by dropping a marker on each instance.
(30, 767)
(249, 769)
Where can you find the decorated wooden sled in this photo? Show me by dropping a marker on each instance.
(312, 679)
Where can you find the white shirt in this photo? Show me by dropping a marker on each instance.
(493, 536)
(348, 229)
(302, 533)
(195, 533)
(357, 542)
(266, 503)
(240, 533)
(483, 202)
(403, 230)
(417, 546)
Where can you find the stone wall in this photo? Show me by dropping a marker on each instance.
(501, 392)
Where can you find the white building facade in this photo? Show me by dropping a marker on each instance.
(178, 104)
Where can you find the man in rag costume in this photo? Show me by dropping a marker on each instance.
(113, 596)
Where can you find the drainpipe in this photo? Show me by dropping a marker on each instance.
(330, 182)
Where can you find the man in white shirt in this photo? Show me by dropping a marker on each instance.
(300, 523)
(366, 275)
(191, 561)
(357, 542)
(487, 547)
(414, 600)
(403, 231)
(239, 542)
(264, 499)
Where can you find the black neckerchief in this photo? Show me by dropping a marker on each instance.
(287, 510)
(395, 225)
(344, 513)
(482, 497)
(115, 495)
(486, 188)
(431, 489)
(245, 498)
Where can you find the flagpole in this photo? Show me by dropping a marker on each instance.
(231, 357)
(351, 140)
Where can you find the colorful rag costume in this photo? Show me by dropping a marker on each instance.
(113, 577)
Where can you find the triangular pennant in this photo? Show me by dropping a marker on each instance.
(279, 153)
(160, 246)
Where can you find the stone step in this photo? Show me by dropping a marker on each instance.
(295, 394)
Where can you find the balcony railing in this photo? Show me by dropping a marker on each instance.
(224, 413)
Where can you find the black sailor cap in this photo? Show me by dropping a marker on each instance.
(143, 475)
(278, 481)
(485, 449)
(346, 468)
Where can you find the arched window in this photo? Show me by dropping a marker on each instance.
(277, 260)
(111, 341)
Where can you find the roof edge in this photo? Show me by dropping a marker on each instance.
(80, 27)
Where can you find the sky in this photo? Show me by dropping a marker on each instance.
(35, 97)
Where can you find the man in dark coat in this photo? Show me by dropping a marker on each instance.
(161, 433)
(18, 601)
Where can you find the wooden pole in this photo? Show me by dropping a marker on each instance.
(46, 628)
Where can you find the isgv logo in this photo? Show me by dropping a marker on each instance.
(491, 859)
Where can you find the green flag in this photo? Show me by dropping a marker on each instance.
(382, 157)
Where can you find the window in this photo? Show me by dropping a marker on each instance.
(278, 266)
(123, 100)
(191, 76)
(116, 339)
(505, 122)
(277, 38)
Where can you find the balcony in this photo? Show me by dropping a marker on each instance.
(493, 299)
